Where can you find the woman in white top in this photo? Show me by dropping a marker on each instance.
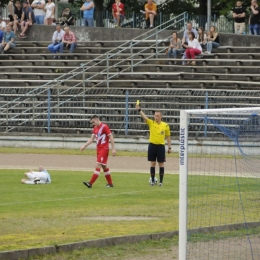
(50, 12)
(202, 37)
(193, 48)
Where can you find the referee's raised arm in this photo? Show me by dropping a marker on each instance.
(145, 118)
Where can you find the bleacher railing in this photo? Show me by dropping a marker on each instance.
(154, 34)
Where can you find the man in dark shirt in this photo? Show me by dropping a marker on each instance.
(27, 18)
(254, 20)
(239, 14)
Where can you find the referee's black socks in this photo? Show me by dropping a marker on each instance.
(152, 172)
(161, 174)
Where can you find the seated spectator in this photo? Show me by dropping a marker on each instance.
(1, 33)
(56, 40)
(193, 48)
(18, 15)
(8, 40)
(189, 29)
(202, 37)
(2, 23)
(239, 14)
(27, 18)
(39, 13)
(175, 46)
(68, 40)
(213, 40)
(37, 177)
(118, 12)
(88, 13)
(150, 12)
(49, 12)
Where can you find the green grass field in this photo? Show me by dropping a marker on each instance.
(67, 211)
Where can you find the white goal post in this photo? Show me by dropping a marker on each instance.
(225, 122)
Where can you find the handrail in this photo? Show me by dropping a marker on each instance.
(83, 68)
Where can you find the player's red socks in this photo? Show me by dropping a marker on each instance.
(108, 176)
(95, 176)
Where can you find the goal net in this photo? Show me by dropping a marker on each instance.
(219, 197)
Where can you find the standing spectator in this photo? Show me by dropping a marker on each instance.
(2, 23)
(213, 40)
(88, 13)
(11, 14)
(202, 37)
(118, 11)
(193, 48)
(56, 40)
(102, 134)
(38, 6)
(254, 19)
(159, 130)
(239, 13)
(8, 40)
(175, 46)
(68, 40)
(18, 15)
(27, 19)
(189, 29)
(150, 12)
(50, 12)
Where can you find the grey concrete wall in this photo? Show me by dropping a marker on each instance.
(44, 33)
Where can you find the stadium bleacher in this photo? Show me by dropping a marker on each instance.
(230, 76)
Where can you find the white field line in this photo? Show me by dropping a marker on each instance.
(73, 198)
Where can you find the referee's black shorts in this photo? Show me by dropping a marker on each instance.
(156, 152)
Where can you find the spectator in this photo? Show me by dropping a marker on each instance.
(189, 29)
(118, 11)
(1, 33)
(202, 37)
(254, 19)
(239, 13)
(18, 15)
(50, 12)
(11, 14)
(213, 40)
(192, 48)
(2, 23)
(88, 13)
(38, 6)
(175, 46)
(68, 40)
(8, 40)
(150, 12)
(40, 177)
(27, 19)
(56, 40)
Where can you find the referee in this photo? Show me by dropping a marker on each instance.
(159, 130)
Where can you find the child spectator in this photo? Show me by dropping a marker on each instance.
(239, 14)
(175, 46)
(193, 48)
(202, 37)
(118, 11)
(213, 40)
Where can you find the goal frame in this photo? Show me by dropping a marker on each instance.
(183, 166)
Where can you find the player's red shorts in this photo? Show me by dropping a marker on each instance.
(102, 156)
